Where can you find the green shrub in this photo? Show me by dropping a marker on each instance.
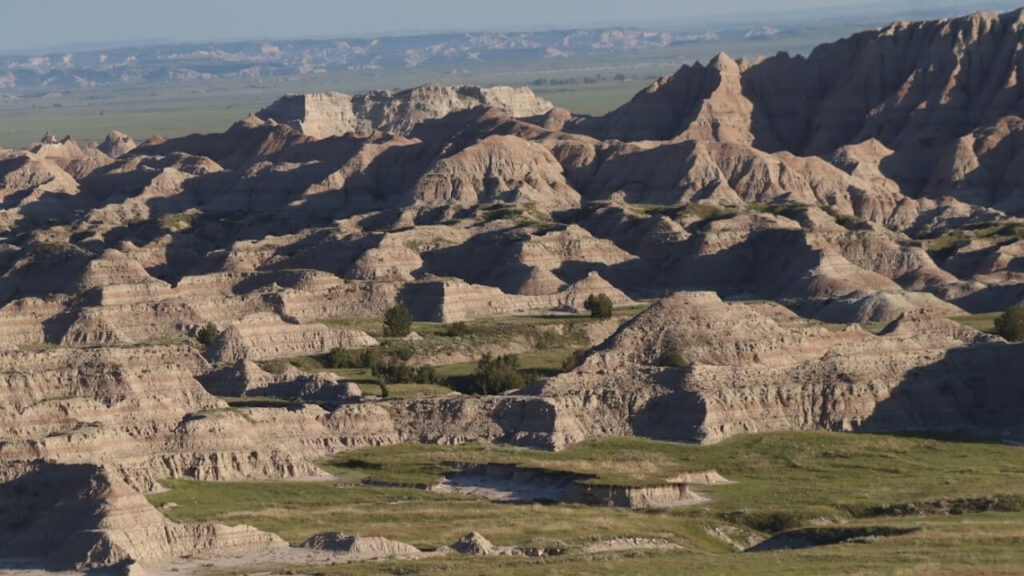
(574, 360)
(399, 350)
(397, 372)
(1010, 324)
(458, 330)
(393, 373)
(397, 322)
(372, 358)
(208, 334)
(342, 358)
(600, 306)
(673, 359)
(495, 374)
(366, 358)
(427, 375)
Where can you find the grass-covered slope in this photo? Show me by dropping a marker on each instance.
(954, 504)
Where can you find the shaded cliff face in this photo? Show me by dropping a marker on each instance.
(940, 95)
(79, 517)
(757, 368)
(921, 83)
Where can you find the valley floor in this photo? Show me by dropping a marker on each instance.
(817, 502)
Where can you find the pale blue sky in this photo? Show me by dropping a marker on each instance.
(31, 25)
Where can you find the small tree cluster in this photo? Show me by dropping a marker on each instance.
(343, 358)
(1010, 324)
(397, 322)
(208, 334)
(496, 374)
(599, 305)
(370, 357)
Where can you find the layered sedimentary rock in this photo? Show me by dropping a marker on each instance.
(453, 300)
(742, 371)
(140, 412)
(80, 517)
(876, 180)
(810, 104)
(498, 169)
(264, 335)
(323, 115)
(246, 378)
(694, 368)
(70, 156)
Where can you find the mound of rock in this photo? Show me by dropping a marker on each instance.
(246, 378)
(262, 336)
(474, 544)
(79, 517)
(503, 169)
(363, 547)
(117, 144)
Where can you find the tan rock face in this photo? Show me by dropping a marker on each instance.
(362, 547)
(811, 104)
(117, 144)
(498, 169)
(70, 156)
(262, 336)
(140, 412)
(80, 517)
(246, 378)
(747, 373)
(323, 115)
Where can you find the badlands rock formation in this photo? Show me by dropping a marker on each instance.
(265, 335)
(333, 114)
(79, 517)
(875, 181)
(693, 368)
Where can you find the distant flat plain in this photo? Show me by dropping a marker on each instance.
(585, 85)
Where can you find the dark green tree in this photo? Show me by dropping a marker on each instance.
(397, 322)
(208, 334)
(496, 374)
(599, 305)
(1010, 324)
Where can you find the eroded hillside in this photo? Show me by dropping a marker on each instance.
(172, 309)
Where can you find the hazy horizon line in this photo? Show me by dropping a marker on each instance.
(676, 26)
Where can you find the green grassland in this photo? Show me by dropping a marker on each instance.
(547, 342)
(982, 322)
(992, 233)
(961, 501)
